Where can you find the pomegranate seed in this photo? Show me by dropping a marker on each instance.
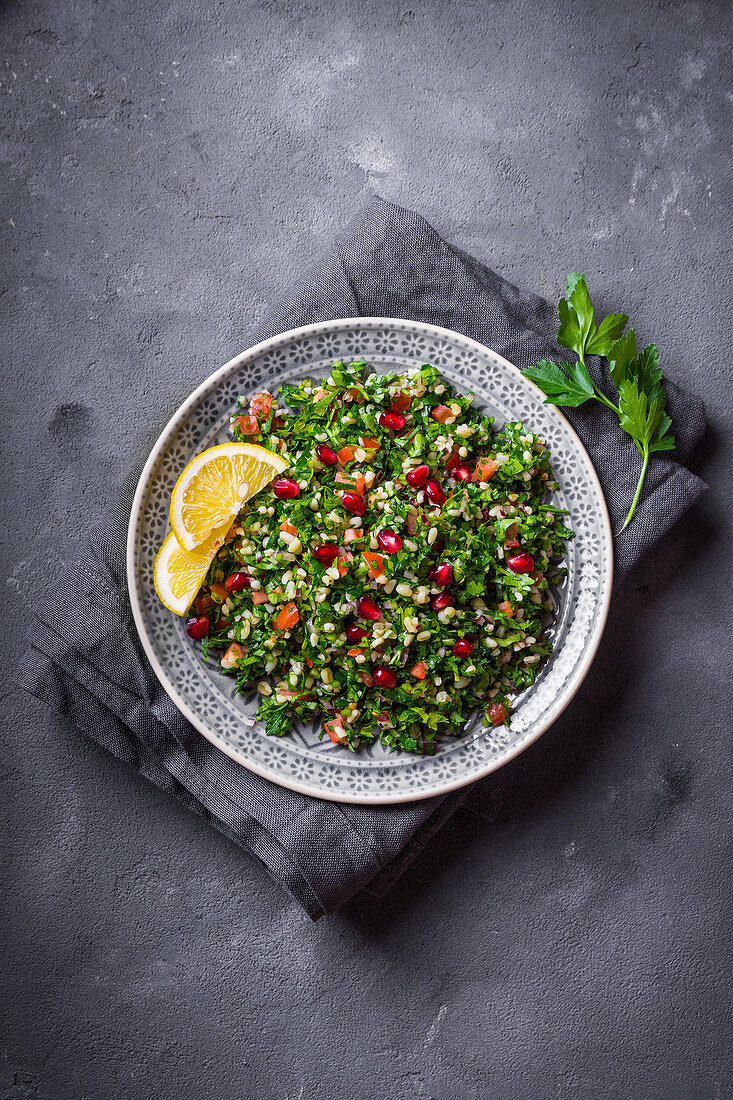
(327, 455)
(353, 502)
(355, 633)
(326, 553)
(442, 575)
(394, 421)
(367, 608)
(434, 492)
(521, 563)
(442, 601)
(389, 541)
(497, 714)
(237, 582)
(461, 473)
(417, 477)
(285, 488)
(384, 677)
(198, 627)
(462, 648)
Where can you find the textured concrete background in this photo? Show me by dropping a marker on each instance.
(166, 170)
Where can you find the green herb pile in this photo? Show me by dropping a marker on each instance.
(298, 629)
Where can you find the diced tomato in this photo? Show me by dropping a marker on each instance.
(512, 544)
(366, 677)
(357, 395)
(419, 671)
(507, 608)
(345, 455)
(220, 592)
(309, 662)
(203, 603)
(441, 413)
(354, 652)
(454, 460)
(288, 528)
(384, 719)
(248, 425)
(369, 443)
(222, 624)
(355, 482)
(351, 533)
(497, 714)
(261, 404)
(400, 402)
(485, 469)
(375, 562)
(232, 655)
(287, 617)
(335, 730)
(260, 597)
(288, 694)
(342, 564)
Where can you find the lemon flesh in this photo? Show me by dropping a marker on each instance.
(179, 573)
(215, 485)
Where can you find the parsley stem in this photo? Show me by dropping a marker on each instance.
(637, 494)
(602, 397)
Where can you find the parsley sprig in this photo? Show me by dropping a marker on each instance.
(637, 377)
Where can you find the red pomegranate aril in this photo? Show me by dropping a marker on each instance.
(394, 421)
(442, 575)
(384, 677)
(521, 563)
(368, 609)
(497, 714)
(285, 488)
(198, 627)
(461, 473)
(326, 553)
(389, 541)
(355, 633)
(462, 648)
(442, 601)
(354, 503)
(327, 455)
(434, 492)
(417, 477)
(237, 582)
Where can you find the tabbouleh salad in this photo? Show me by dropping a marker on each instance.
(398, 576)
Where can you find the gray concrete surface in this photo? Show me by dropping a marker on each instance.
(166, 170)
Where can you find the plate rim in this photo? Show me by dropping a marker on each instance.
(303, 787)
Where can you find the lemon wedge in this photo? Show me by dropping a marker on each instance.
(215, 485)
(179, 573)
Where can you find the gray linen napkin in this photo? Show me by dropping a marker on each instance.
(85, 658)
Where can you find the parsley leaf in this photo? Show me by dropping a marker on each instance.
(569, 333)
(606, 334)
(581, 303)
(566, 384)
(649, 372)
(621, 355)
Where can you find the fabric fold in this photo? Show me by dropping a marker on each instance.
(84, 658)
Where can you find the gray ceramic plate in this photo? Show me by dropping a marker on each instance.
(300, 761)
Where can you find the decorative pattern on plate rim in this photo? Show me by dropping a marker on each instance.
(300, 761)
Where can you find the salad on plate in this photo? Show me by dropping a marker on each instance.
(372, 553)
